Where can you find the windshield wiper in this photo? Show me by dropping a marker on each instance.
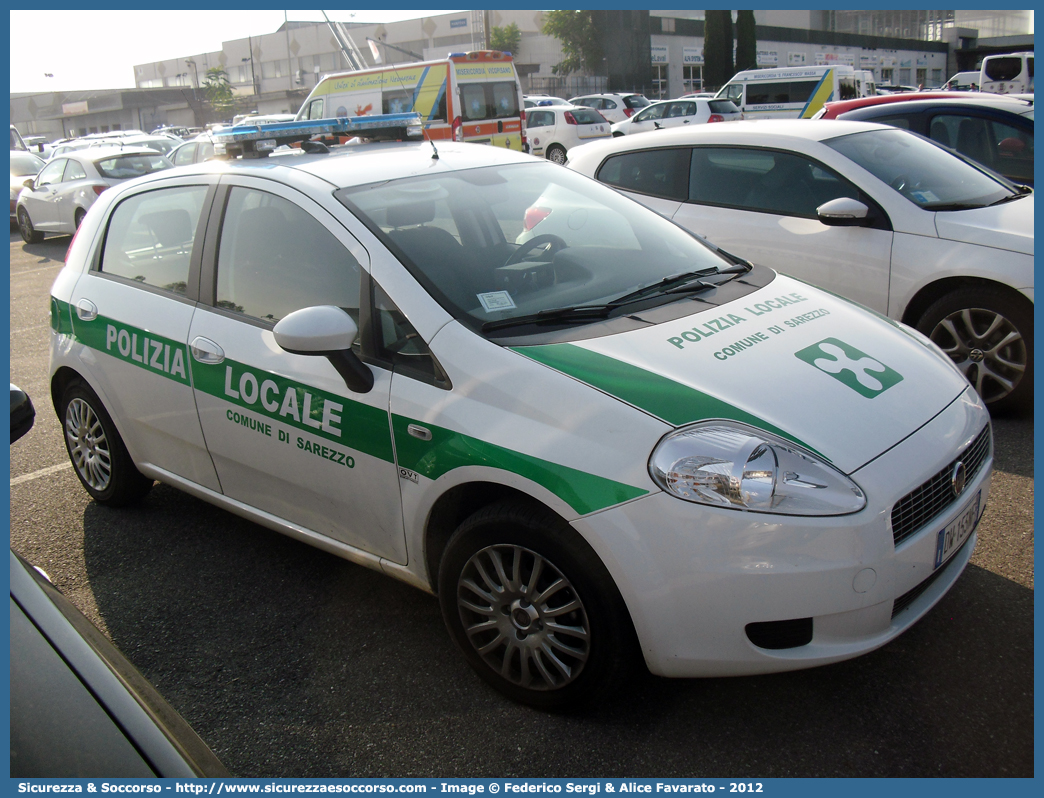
(1009, 198)
(953, 206)
(685, 283)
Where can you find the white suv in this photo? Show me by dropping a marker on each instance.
(595, 449)
(614, 107)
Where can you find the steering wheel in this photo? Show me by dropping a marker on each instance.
(550, 243)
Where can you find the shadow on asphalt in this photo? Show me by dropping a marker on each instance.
(291, 662)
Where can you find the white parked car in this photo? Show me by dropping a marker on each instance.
(57, 199)
(554, 130)
(593, 451)
(876, 214)
(534, 100)
(677, 113)
(614, 107)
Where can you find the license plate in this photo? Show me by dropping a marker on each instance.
(955, 533)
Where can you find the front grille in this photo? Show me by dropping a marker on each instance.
(932, 498)
(910, 596)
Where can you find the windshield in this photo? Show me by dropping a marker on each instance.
(23, 164)
(508, 241)
(924, 173)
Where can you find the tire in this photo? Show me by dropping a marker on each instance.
(556, 154)
(988, 334)
(78, 218)
(570, 645)
(30, 235)
(96, 450)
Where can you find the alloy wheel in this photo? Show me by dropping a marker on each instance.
(987, 347)
(88, 444)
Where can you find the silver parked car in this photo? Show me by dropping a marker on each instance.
(57, 199)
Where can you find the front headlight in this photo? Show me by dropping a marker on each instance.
(726, 464)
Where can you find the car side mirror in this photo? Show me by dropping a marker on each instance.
(843, 212)
(22, 413)
(325, 331)
(29, 183)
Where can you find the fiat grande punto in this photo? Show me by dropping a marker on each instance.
(598, 450)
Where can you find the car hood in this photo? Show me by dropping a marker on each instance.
(1008, 226)
(789, 359)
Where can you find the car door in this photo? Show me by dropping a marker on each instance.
(74, 181)
(286, 435)
(761, 204)
(678, 114)
(41, 201)
(647, 118)
(132, 310)
(540, 128)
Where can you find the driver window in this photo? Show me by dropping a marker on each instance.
(52, 173)
(275, 258)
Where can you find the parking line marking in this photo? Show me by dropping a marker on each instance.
(43, 472)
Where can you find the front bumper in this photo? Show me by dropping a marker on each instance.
(695, 577)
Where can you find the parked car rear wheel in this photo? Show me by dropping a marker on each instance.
(556, 154)
(988, 333)
(98, 454)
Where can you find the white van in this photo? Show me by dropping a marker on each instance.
(473, 96)
(963, 81)
(1011, 73)
(791, 92)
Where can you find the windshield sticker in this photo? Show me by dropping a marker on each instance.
(856, 369)
(496, 300)
(923, 196)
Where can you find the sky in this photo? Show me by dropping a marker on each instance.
(98, 49)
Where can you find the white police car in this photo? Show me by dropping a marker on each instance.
(590, 446)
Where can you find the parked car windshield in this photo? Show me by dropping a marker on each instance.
(921, 171)
(24, 165)
(500, 242)
(124, 167)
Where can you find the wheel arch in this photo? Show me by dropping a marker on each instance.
(928, 294)
(454, 506)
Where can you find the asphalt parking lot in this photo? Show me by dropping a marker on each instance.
(291, 662)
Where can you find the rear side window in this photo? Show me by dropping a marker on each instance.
(723, 107)
(274, 258)
(150, 237)
(764, 180)
(660, 173)
(540, 119)
(797, 91)
(587, 116)
(74, 172)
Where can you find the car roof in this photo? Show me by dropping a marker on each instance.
(842, 106)
(760, 132)
(998, 102)
(360, 164)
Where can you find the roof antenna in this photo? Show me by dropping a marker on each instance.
(424, 127)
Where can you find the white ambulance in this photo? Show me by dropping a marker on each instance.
(474, 96)
(796, 92)
(597, 450)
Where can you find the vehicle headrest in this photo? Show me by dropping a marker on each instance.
(412, 213)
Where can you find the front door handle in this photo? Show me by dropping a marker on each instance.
(206, 351)
(86, 310)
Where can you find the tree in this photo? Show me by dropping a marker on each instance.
(507, 40)
(717, 48)
(746, 41)
(580, 43)
(218, 90)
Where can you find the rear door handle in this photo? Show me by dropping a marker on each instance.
(86, 310)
